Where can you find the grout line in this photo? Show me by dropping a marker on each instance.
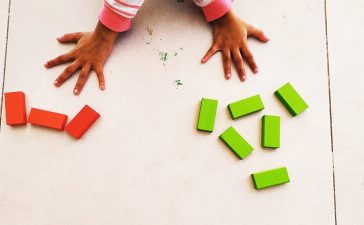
(330, 109)
(5, 61)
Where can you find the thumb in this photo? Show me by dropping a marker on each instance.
(71, 37)
(258, 34)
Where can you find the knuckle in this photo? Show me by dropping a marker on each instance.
(238, 59)
(214, 48)
(79, 86)
(61, 79)
(82, 76)
(68, 70)
(249, 56)
(100, 76)
(75, 52)
(227, 57)
(59, 58)
(239, 62)
(98, 71)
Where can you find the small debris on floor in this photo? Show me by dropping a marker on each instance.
(178, 83)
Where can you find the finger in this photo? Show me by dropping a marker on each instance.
(239, 64)
(71, 37)
(101, 78)
(226, 58)
(257, 33)
(209, 54)
(58, 60)
(71, 69)
(249, 58)
(82, 78)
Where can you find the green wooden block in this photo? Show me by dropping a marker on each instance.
(206, 118)
(245, 106)
(236, 143)
(291, 99)
(270, 178)
(271, 131)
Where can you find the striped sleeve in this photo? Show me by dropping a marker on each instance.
(117, 14)
(214, 9)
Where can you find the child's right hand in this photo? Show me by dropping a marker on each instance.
(90, 53)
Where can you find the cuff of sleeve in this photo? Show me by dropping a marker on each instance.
(114, 21)
(216, 9)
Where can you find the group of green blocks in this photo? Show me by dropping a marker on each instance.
(270, 137)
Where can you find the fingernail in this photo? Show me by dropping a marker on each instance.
(102, 87)
(46, 64)
(243, 77)
(56, 83)
(256, 70)
(228, 76)
(76, 91)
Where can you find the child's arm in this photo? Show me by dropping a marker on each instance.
(230, 37)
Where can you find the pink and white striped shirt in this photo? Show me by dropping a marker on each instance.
(117, 14)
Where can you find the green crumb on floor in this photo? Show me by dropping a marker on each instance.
(163, 56)
(178, 82)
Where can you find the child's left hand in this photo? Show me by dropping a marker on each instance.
(230, 37)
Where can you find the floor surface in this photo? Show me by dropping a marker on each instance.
(144, 162)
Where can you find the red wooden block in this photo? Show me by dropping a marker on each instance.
(48, 119)
(82, 122)
(15, 108)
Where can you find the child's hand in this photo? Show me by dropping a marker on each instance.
(90, 53)
(230, 37)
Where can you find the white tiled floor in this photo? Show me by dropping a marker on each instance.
(346, 71)
(3, 27)
(143, 162)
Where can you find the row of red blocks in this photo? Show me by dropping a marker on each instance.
(15, 109)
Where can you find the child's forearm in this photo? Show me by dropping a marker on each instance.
(214, 9)
(104, 33)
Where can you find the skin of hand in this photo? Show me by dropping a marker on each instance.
(230, 36)
(90, 53)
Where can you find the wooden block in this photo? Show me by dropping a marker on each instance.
(82, 122)
(206, 118)
(270, 178)
(271, 131)
(245, 106)
(15, 108)
(48, 119)
(236, 143)
(291, 99)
